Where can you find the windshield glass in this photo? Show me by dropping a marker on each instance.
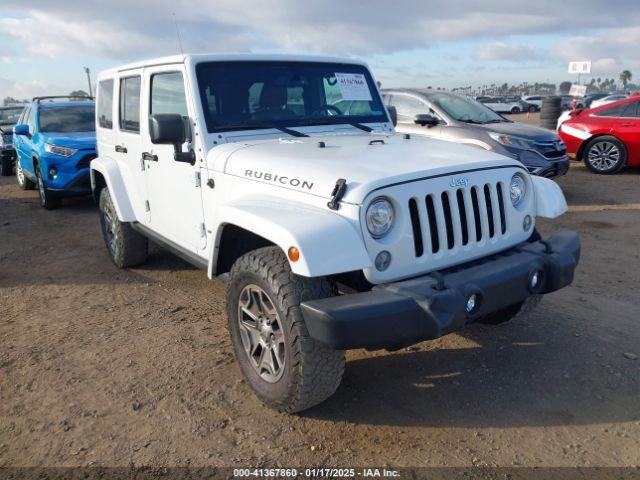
(9, 116)
(68, 119)
(464, 109)
(261, 94)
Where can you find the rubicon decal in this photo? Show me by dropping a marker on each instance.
(281, 179)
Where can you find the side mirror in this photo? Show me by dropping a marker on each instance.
(393, 113)
(21, 129)
(170, 129)
(426, 120)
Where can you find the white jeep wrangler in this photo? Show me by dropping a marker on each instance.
(285, 175)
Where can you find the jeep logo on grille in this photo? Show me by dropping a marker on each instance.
(459, 182)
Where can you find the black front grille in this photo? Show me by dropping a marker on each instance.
(551, 149)
(454, 218)
(85, 161)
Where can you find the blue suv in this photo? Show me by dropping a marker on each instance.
(55, 141)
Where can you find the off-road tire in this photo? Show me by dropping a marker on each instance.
(6, 167)
(312, 371)
(127, 247)
(512, 311)
(605, 139)
(23, 182)
(47, 200)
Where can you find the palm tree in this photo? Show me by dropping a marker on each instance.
(625, 76)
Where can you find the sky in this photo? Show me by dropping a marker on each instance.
(410, 43)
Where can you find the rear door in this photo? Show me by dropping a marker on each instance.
(19, 141)
(173, 187)
(627, 129)
(126, 143)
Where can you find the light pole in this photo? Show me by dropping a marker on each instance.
(88, 72)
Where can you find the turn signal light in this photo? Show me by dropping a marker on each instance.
(294, 254)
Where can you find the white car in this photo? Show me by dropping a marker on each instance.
(502, 105)
(607, 100)
(332, 231)
(535, 100)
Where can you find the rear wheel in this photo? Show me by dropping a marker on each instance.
(6, 167)
(605, 155)
(126, 246)
(23, 182)
(285, 367)
(47, 200)
(515, 110)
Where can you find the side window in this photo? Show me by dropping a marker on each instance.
(24, 115)
(105, 103)
(612, 112)
(167, 94)
(407, 107)
(130, 104)
(629, 110)
(31, 121)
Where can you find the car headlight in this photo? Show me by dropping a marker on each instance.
(512, 141)
(62, 151)
(517, 189)
(379, 217)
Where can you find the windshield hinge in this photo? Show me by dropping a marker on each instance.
(339, 190)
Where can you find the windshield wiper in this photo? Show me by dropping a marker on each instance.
(468, 120)
(289, 131)
(339, 121)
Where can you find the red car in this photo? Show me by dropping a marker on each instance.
(605, 138)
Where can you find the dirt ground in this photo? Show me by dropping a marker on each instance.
(83, 343)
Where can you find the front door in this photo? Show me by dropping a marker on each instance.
(173, 187)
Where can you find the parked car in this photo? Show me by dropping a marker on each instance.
(502, 105)
(333, 232)
(8, 117)
(605, 138)
(447, 116)
(535, 100)
(608, 99)
(593, 96)
(55, 142)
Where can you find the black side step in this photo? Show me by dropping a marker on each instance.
(177, 250)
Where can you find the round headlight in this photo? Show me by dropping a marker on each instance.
(379, 217)
(517, 189)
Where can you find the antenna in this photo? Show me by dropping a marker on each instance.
(175, 22)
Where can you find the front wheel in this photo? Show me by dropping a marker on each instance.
(126, 246)
(285, 367)
(23, 182)
(605, 155)
(47, 200)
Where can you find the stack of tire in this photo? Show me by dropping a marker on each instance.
(550, 112)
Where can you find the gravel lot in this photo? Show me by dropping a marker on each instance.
(83, 343)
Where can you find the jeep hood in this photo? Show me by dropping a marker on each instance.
(79, 140)
(366, 162)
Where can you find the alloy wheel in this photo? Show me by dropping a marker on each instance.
(110, 229)
(603, 156)
(261, 333)
(19, 173)
(41, 190)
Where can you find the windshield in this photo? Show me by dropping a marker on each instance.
(9, 116)
(464, 109)
(68, 119)
(261, 94)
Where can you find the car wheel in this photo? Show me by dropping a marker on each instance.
(605, 155)
(47, 200)
(285, 367)
(6, 167)
(126, 246)
(532, 108)
(23, 182)
(515, 110)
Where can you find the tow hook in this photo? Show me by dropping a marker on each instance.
(339, 190)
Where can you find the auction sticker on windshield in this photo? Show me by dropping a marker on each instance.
(353, 86)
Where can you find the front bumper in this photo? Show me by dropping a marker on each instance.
(399, 314)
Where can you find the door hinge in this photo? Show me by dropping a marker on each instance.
(147, 207)
(197, 179)
(203, 230)
(142, 164)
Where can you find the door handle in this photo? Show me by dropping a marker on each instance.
(149, 156)
(121, 149)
